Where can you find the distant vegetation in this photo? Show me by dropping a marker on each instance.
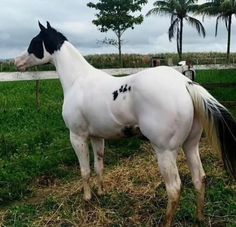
(136, 60)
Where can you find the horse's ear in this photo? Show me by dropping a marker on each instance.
(48, 25)
(42, 28)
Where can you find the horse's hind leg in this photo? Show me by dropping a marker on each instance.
(98, 150)
(169, 171)
(191, 150)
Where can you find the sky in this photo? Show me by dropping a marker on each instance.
(19, 24)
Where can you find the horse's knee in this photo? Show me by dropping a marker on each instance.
(98, 149)
(173, 192)
(98, 161)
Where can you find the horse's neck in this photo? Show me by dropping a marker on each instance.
(70, 65)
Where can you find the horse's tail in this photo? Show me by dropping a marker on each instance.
(218, 124)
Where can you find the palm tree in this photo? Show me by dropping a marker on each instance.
(178, 10)
(223, 10)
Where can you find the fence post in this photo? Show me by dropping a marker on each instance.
(37, 94)
(37, 91)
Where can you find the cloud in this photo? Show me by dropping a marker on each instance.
(77, 27)
(18, 25)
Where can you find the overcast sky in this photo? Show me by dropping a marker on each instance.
(18, 25)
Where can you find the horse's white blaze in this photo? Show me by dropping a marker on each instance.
(26, 60)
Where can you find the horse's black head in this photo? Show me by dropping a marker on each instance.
(51, 38)
(41, 47)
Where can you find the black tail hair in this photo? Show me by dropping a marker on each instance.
(226, 132)
(218, 124)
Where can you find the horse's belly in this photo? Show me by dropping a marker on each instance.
(115, 132)
(116, 120)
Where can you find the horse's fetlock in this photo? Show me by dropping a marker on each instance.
(85, 174)
(200, 182)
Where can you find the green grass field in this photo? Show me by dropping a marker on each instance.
(36, 157)
(216, 76)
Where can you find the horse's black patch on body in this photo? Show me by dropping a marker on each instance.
(51, 38)
(125, 88)
(131, 131)
(128, 131)
(122, 89)
(115, 94)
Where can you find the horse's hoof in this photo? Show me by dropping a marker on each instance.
(200, 222)
(100, 192)
(87, 197)
(100, 189)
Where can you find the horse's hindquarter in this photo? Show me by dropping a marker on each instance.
(163, 106)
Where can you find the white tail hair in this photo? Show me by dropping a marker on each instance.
(218, 123)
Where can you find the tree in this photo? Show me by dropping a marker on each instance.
(178, 11)
(117, 15)
(223, 10)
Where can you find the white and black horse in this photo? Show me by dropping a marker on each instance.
(168, 109)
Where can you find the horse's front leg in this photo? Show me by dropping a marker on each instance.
(80, 146)
(98, 150)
